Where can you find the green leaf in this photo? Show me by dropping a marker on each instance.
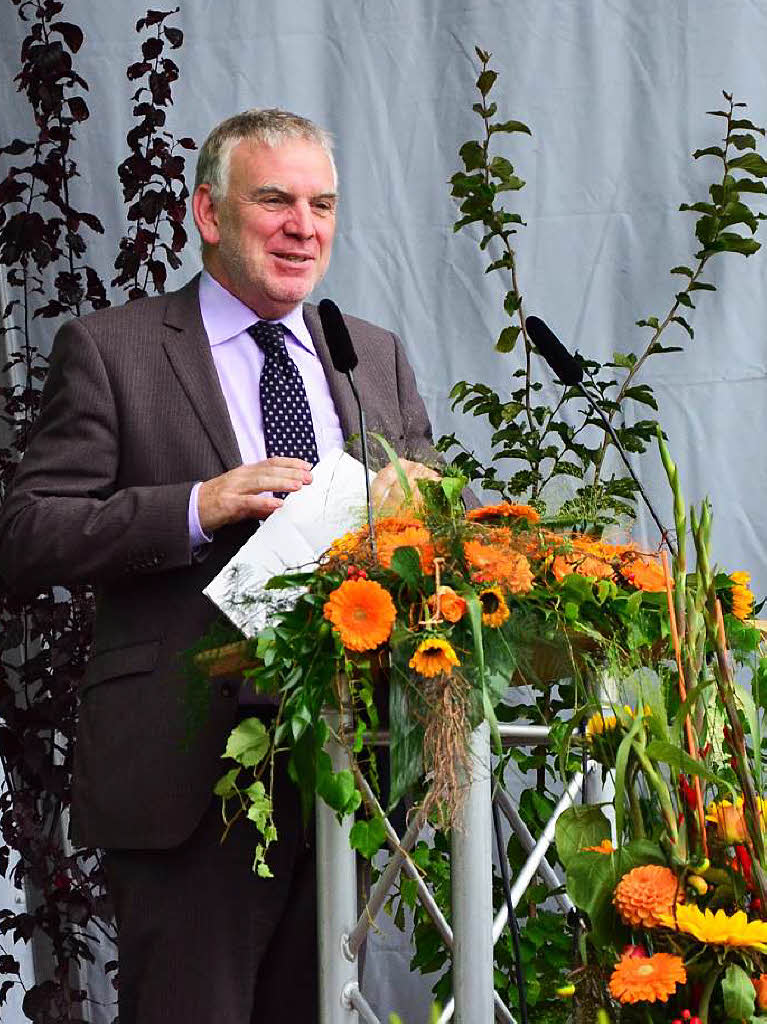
(624, 359)
(486, 80)
(681, 761)
(511, 303)
(392, 456)
(684, 299)
(578, 827)
(473, 155)
(743, 141)
(407, 565)
(738, 993)
(507, 339)
(742, 123)
(728, 241)
(746, 701)
(263, 871)
(751, 163)
(682, 323)
(621, 763)
(510, 126)
(709, 151)
(367, 837)
(338, 789)
(248, 742)
(681, 270)
(227, 784)
(260, 806)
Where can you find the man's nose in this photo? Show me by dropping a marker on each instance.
(300, 222)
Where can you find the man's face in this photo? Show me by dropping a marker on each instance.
(269, 240)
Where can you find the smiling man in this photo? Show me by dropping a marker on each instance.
(170, 427)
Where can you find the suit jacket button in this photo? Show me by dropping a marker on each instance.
(226, 691)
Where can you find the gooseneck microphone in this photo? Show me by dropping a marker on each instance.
(344, 360)
(569, 370)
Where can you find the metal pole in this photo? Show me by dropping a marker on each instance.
(472, 891)
(336, 893)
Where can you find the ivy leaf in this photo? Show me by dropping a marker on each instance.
(367, 837)
(226, 785)
(738, 994)
(248, 743)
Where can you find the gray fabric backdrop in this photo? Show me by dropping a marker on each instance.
(615, 92)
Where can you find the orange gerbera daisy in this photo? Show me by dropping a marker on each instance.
(434, 656)
(506, 509)
(645, 894)
(417, 537)
(649, 979)
(496, 563)
(495, 611)
(741, 596)
(643, 572)
(451, 605)
(604, 847)
(362, 612)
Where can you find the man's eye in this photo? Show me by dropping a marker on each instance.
(272, 200)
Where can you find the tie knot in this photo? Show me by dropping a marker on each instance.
(269, 336)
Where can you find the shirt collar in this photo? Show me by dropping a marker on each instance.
(225, 316)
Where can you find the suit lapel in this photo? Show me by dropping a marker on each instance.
(340, 390)
(188, 350)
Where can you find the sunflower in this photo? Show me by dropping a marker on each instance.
(643, 572)
(647, 979)
(718, 929)
(740, 595)
(599, 724)
(362, 612)
(604, 847)
(506, 510)
(495, 611)
(645, 894)
(433, 656)
(451, 605)
(499, 564)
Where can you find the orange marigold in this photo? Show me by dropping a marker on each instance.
(451, 605)
(741, 596)
(417, 537)
(494, 563)
(643, 572)
(647, 979)
(506, 509)
(434, 656)
(362, 612)
(645, 894)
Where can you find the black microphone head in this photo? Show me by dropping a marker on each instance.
(337, 337)
(566, 367)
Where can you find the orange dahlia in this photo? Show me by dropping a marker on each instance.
(451, 605)
(647, 979)
(643, 572)
(417, 537)
(741, 596)
(495, 611)
(506, 509)
(495, 563)
(645, 894)
(362, 612)
(434, 656)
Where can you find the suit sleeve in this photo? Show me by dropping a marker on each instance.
(64, 519)
(418, 442)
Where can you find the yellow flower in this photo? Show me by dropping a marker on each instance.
(741, 596)
(362, 612)
(495, 611)
(645, 894)
(730, 819)
(718, 929)
(433, 656)
(647, 979)
(599, 724)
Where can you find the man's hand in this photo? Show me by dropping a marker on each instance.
(239, 494)
(386, 494)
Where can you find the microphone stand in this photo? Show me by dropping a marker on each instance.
(364, 437)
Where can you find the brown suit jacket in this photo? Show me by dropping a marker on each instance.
(133, 415)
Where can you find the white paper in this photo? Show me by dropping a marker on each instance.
(291, 540)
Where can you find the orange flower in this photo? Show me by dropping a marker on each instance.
(760, 984)
(741, 596)
(495, 611)
(505, 509)
(604, 847)
(645, 894)
(396, 524)
(417, 537)
(362, 612)
(495, 563)
(434, 656)
(586, 558)
(647, 979)
(643, 572)
(451, 605)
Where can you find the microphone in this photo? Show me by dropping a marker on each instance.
(344, 360)
(569, 371)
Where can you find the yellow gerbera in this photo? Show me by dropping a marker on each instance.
(434, 656)
(718, 929)
(495, 611)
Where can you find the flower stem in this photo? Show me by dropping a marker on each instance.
(705, 998)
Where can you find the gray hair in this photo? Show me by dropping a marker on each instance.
(269, 127)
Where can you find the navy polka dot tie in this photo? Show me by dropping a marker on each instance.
(287, 418)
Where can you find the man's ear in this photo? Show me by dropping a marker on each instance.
(205, 213)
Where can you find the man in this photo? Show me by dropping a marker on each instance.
(162, 441)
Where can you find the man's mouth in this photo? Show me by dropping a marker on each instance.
(293, 257)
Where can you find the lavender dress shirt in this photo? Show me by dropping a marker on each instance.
(239, 361)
